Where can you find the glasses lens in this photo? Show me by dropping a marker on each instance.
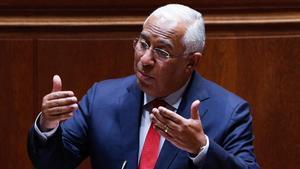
(162, 54)
(142, 46)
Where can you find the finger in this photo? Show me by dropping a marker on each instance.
(164, 121)
(166, 135)
(61, 117)
(61, 102)
(66, 116)
(58, 95)
(194, 110)
(57, 111)
(154, 119)
(57, 84)
(156, 122)
(170, 138)
(171, 115)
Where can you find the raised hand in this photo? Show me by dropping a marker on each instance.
(186, 134)
(57, 106)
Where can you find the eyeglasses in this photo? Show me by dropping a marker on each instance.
(141, 46)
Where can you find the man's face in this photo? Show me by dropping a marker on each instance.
(156, 75)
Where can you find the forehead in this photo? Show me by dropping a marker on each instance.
(163, 30)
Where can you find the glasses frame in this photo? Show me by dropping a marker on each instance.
(158, 52)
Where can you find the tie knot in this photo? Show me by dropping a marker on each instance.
(158, 102)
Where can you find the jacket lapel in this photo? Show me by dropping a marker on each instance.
(195, 90)
(130, 117)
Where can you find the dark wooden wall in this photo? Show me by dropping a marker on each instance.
(253, 49)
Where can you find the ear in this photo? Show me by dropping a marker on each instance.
(194, 60)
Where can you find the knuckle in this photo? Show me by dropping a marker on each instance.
(180, 129)
(44, 105)
(185, 125)
(56, 111)
(45, 98)
(177, 121)
(193, 123)
(44, 112)
(62, 102)
(189, 125)
(44, 115)
(69, 100)
(55, 95)
(55, 104)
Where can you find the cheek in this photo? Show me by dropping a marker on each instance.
(136, 60)
(165, 75)
(171, 73)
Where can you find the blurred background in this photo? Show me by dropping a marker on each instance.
(252, 49)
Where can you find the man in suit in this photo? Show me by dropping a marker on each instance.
(152, 119)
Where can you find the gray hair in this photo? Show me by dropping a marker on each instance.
(194, 38)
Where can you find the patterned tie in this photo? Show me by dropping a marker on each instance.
(151, 145)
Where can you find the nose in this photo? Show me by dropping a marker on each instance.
(147, 59)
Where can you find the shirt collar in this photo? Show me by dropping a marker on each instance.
(173, 99)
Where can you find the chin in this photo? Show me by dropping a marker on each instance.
(144, 87)
(147, 89)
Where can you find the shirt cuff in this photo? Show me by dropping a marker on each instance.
(43, 135)
(199, 159)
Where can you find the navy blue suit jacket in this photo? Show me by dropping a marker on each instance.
(107, 129)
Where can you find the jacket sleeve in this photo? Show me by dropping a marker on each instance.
(236, 151)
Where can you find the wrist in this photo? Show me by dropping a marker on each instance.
(201, 145)
(46, 125)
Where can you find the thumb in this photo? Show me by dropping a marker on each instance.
(194, 110)
(57, 85)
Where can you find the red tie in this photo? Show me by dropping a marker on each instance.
(151, 145)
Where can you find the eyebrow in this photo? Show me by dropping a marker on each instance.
(164, 42)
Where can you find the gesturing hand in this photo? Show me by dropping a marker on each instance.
(186, 134)
(57, 106)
